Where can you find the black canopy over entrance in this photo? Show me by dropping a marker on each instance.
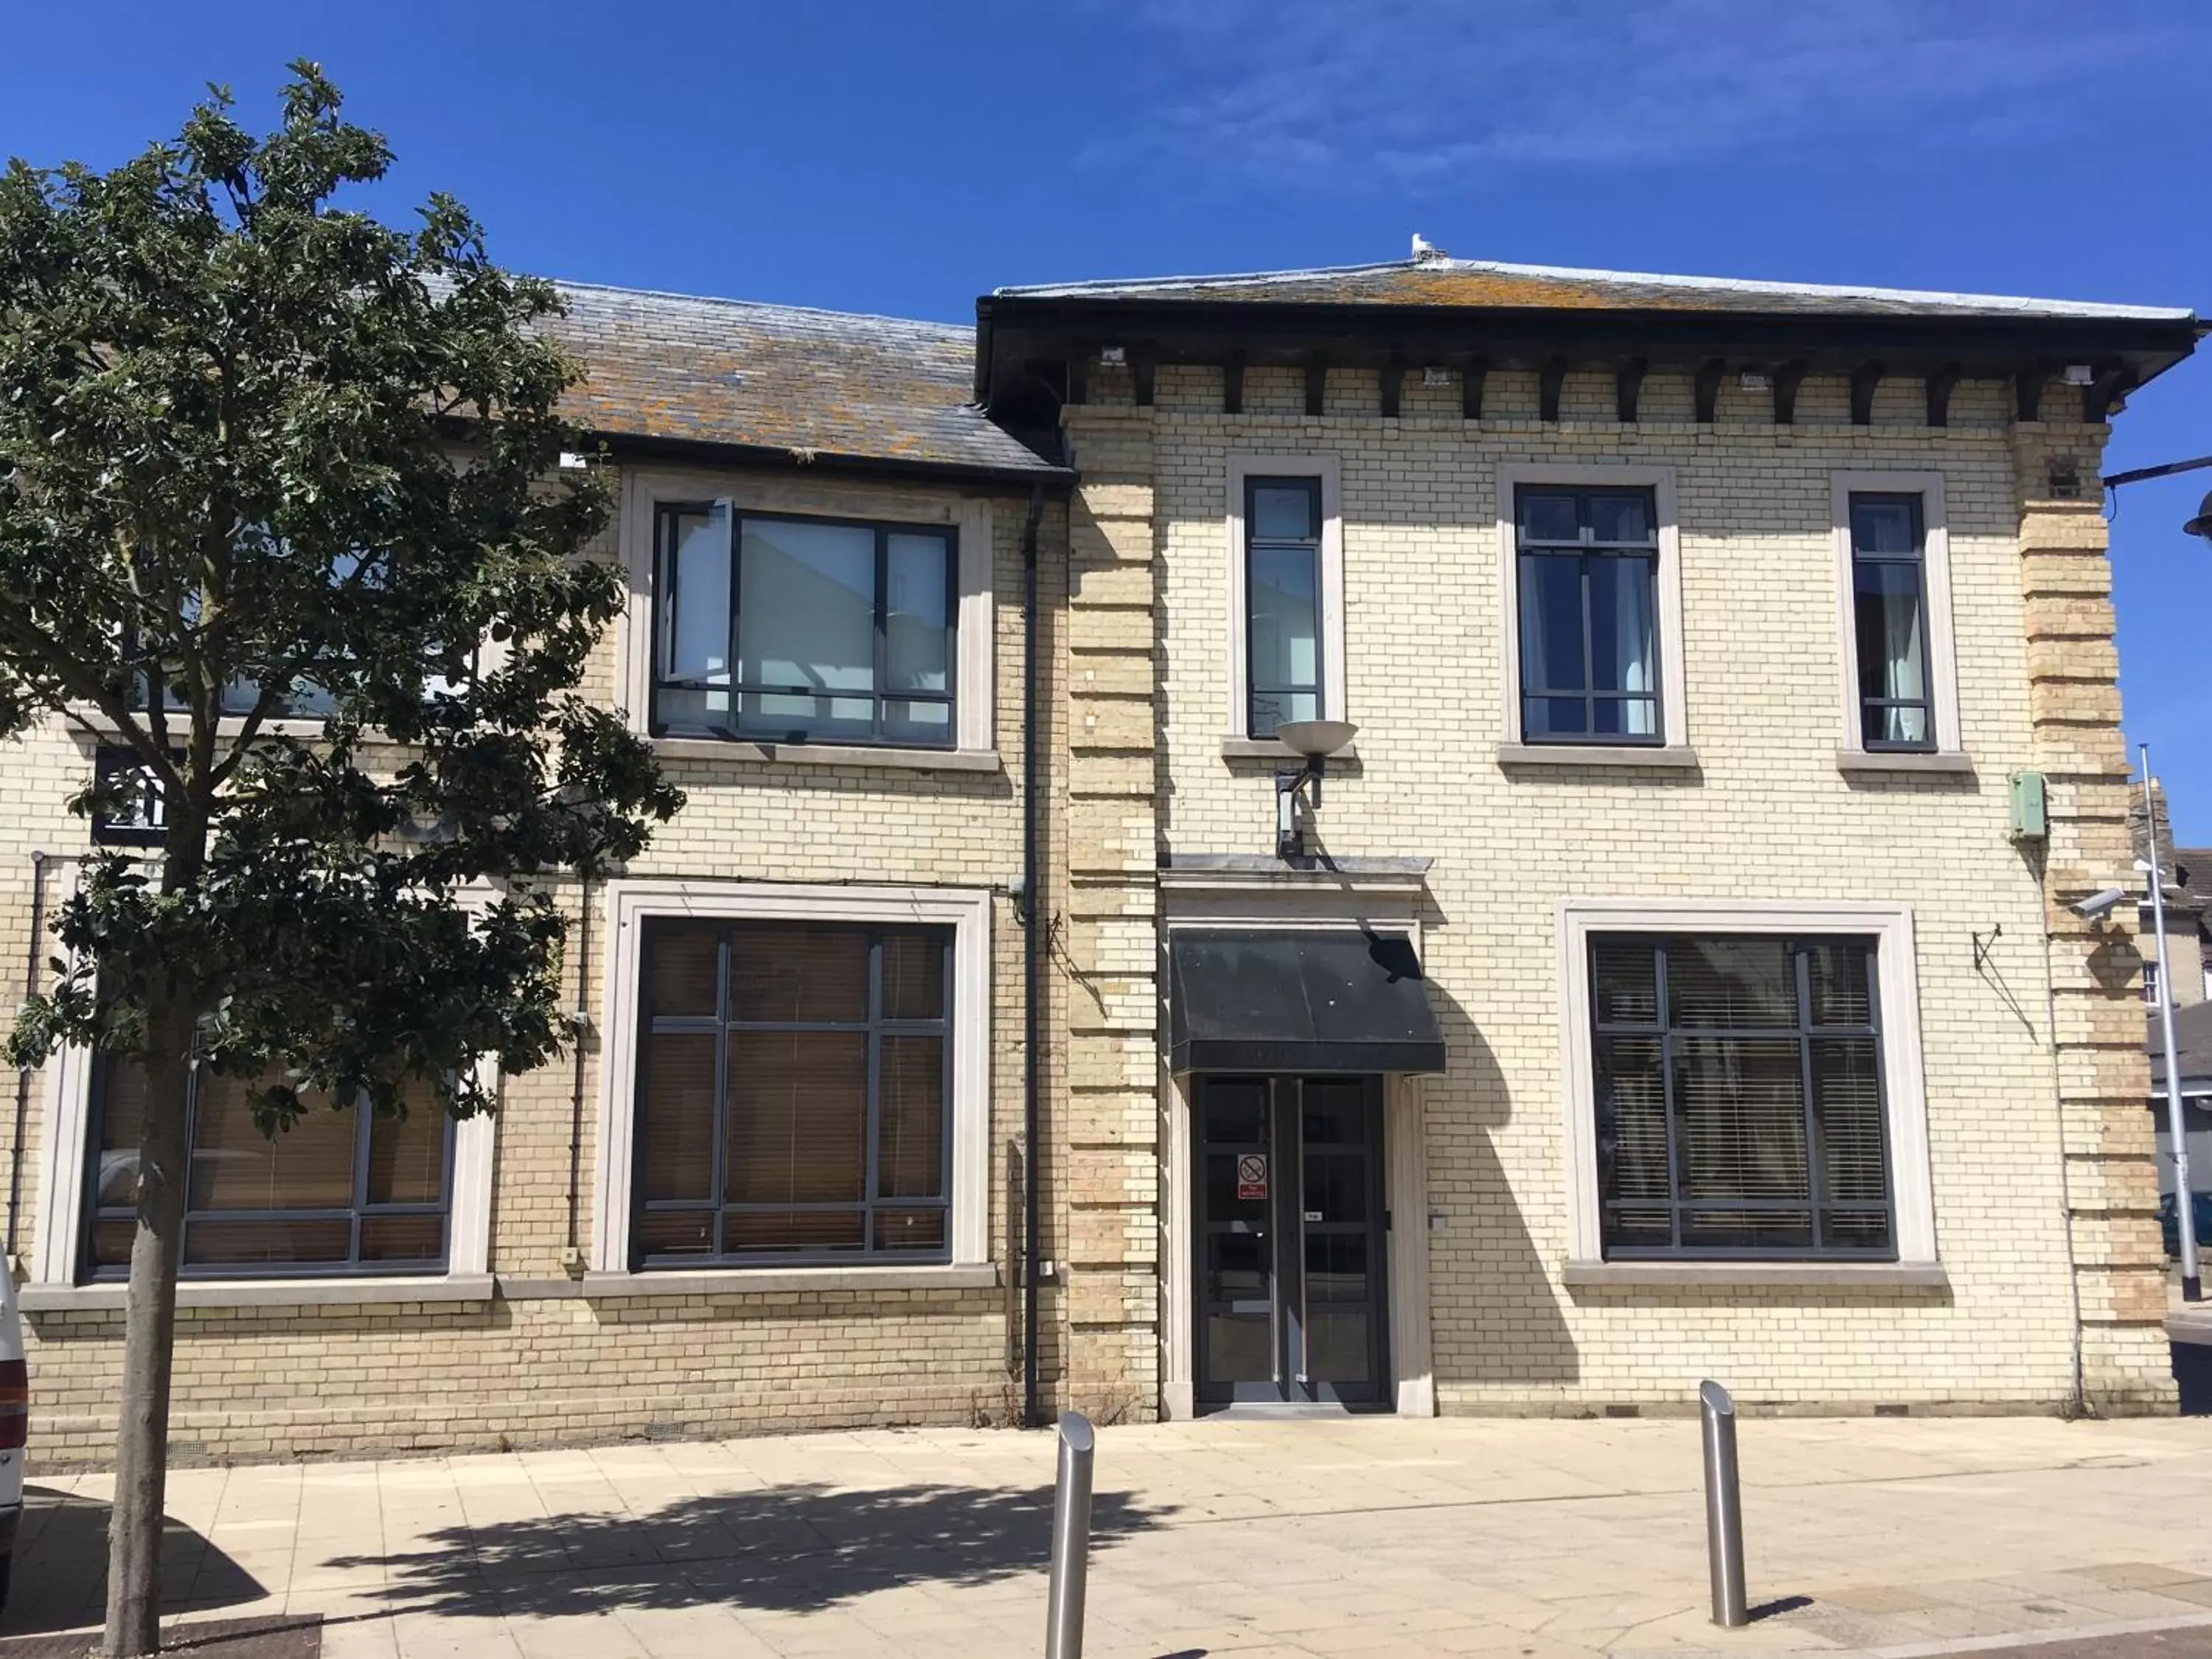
(1327, 999)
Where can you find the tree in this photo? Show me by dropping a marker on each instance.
(261, 456)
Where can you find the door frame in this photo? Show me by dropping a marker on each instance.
(1412, 1383)
(1288, 1294)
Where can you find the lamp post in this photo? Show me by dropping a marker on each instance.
(2177, 1124)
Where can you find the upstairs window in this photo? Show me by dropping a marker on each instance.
(1283, 600)
(791, 630)
(1890, 624)
(1740, 1097)
(1588, 578)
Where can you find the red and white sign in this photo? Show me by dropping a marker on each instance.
(1252, 1174)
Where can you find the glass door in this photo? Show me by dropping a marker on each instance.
(1290, 1240)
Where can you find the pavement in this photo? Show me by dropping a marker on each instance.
(1536, 1540)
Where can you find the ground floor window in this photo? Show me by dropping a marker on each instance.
(1740, 1097)
(794, 1081)
(341, 1191)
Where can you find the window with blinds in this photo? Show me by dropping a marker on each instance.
(793, 1094)
(1740, 1103)
(340, 1192)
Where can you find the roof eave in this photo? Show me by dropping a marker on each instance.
(1287, 321)
(714, 451)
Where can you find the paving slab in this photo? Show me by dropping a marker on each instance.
(1537, 1540)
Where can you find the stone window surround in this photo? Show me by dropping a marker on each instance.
(975, 676)
(1903, 1080)
(1852, 754)
(1235, 742)
(52, 1276)
(1673, 748)
(967, 910)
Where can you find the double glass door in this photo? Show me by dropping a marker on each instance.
(1291, 1240)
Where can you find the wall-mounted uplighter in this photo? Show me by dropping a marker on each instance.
(1315, 740)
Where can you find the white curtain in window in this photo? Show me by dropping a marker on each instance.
(1905, 670)
(1633, 644)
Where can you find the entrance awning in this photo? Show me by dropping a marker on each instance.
(1327, 999)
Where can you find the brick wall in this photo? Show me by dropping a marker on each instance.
(1766, 814)
(540, 1364)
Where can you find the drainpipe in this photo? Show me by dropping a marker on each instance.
(580, 1023)
(39, 862)
(1033, 944)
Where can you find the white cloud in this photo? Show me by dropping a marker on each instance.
(1338, 91)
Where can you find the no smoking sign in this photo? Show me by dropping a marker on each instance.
(1252, 1174)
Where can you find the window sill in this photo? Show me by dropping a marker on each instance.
(1669, 757)
(1274, 749)
(1877, 762)
(752, 1281)
(95, 723)
(266, 1293)
(737, 751)
(1751, 1275)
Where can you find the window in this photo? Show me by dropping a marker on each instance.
(1739, 1099)
(1282, 588)
(131, 811)
(2150, 983)
(794, 1091)
(1588, 582)
(804, 629)
(1889, 602)
(340, 1192)
(1283, 650)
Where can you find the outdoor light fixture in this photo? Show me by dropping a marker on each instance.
(2201, 525)
(2098, 905)
(1316, 740)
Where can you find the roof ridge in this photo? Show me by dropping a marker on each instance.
(565, 283)
(2024, 303)
(1208, 277)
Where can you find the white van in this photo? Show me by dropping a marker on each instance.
(15, 1423)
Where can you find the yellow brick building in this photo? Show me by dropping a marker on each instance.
(1670, 976)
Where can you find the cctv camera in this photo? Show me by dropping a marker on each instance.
(2098, 904)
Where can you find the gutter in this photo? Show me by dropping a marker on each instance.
(1033, 944)
(709, 452)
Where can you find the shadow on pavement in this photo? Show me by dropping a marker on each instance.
(2192, 1372)
(794, 1549)
(59, 1576)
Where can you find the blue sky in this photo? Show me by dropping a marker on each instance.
(904, 157)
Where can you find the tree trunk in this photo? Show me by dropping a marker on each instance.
(141, 1441)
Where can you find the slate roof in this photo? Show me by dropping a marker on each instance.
(1487, 284)
(822, 384)
(2192, 1039)
(2195, 863)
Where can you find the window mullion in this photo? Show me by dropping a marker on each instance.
(873, 1118)
(1801, 974)
(733, 716)
(1589, 647)
(952, 636)
(1251, 656)
(718, 1191)
(880, 712)
(1675, 1182)
(364, 1110)
(1321, 599)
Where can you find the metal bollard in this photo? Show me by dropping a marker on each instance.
(1724, 1506)
(1071, 1540)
